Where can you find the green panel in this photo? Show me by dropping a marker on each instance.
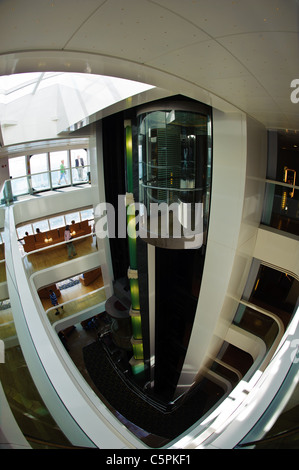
(132, 239)
(136, 326)
(134, 288)
(129, 155)
(138, 351)
(138, 369)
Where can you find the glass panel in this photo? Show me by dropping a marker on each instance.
(277, 292)
(77, 305)
(25, 402)
(39, 172)
(58, 254)
(73, 217)
(78, 163)
(281, 208)
(87, 214)
(2, 271)
(60, 172)
(17, 169)
(19, 186)
(42, 225)
(57, 222)
(17, 166)
(21, 231)
(173, 147)
(258, 324)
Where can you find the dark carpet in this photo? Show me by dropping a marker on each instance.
(132, 406)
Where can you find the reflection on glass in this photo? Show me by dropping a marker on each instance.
(26, 404)
(174, 157)
(78, 305)
(257, 324)
(281, 208)
(277, 292)
(173, 145)
(2, 271)
(57, 254)
(7, 326)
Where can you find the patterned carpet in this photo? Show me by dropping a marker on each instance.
(121, 397)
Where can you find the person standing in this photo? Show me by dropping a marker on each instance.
(81, 168)
(77, 165)
(62, 173)
(54, 301)
(70, 247)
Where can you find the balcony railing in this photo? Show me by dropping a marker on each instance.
(78, 305)
(281, 207)
(43, 181)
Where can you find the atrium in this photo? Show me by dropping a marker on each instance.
(149, 224)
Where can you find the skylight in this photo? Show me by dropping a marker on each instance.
(37, 106)
(15, 86)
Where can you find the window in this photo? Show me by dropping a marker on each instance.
(43, 225)
(60, 172)
(21, 231)
(87, 214)
(57, 222)
(73, 216)
(39, 172)
(17, 169)
(78, 162)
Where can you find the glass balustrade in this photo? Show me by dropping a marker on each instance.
(2, 271)
(281, 207)
(43, 181)
(26, 404)
(53, 254)
(77, 305)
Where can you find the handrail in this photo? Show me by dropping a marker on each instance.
(57, 244)
(173, 188)
(276, 437)
(44, 172)
(30, 175)
(274, 317)
(76, 299)
(84, 418)
(281, 183)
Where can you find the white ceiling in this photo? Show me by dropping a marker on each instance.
(223, 52)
